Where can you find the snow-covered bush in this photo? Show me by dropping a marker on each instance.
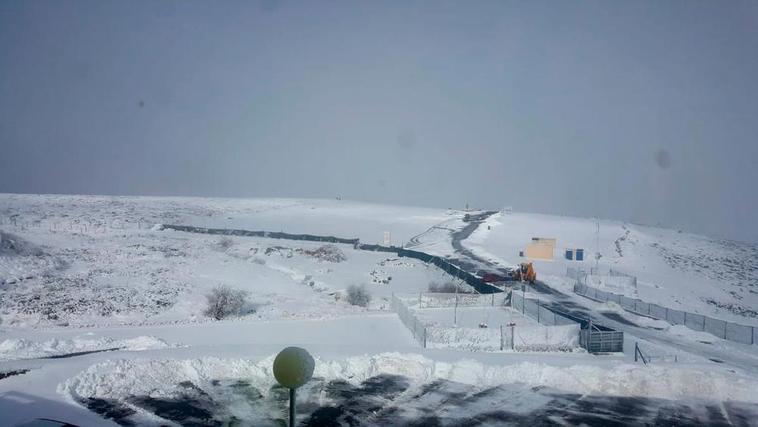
(14, 245)
(358, 295)
(224, 243)
(279, 251)
(224, 301)
(330, 253)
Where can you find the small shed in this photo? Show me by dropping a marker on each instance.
(541, 248)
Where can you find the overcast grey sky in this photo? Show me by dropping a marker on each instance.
(635, 110)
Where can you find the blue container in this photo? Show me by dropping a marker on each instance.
(569, 254)
(580, 254)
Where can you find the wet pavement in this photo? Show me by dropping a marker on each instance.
(390, 400)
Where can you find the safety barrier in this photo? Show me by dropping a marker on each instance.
(503, 338)
(593, 339)
(540, 313)
(596, 341)
(440, 300)
(727, 330)
(410, 321)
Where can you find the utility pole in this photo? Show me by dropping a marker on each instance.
(597, 245)
(455, 310)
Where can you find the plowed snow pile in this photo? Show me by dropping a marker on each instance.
(11, 349)
(120, 379)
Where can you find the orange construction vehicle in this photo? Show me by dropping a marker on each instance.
(526, 273)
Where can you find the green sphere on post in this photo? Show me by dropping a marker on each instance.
(293, 367)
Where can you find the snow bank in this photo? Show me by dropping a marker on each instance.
(11, 349)
(544, 338)
(525, 338)
(470, 339)
(122, 378)
(685, 332)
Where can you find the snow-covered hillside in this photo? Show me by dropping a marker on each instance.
(78, 261)
(103, 317)
(675, 269)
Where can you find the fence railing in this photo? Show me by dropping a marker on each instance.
(646, 357)
(720, 328)
(535, 310)
(410, 321)
(611, 277)
(592, 339)
(440, 300)
(596, 341)
(508, 337)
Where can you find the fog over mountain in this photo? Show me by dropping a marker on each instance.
(638, 111)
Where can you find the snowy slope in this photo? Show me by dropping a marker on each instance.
(81, 274)
(86, 261)
(680, 270)
(88, 214)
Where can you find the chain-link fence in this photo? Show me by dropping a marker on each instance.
(613, 278)
(441, 300)
(594, 340)
(616, 273)
(535, 310)
(511, 337)
(410, 321)
(727, 330)
(470, 339)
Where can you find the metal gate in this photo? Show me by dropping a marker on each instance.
(597, 341)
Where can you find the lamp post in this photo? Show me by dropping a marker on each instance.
(293, 367)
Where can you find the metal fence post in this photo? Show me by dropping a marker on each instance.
(501, 337)
(667, 313)
(425, 337)
(538, 310)
(703, 323)
(725, 323)
(685, 318)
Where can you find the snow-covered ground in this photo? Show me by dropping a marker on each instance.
(679, 270)
(240, 389)
(103, 313)
(20, 348)
(472, 317)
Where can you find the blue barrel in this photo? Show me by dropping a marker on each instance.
(580, 254)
